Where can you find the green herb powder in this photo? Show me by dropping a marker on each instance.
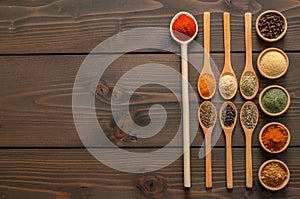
(274, 100)
(248, 84)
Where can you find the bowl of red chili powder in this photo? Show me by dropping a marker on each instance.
(183, 27)
(274, 137)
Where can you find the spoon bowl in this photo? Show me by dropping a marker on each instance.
(185, 92)
(179, 33)
(206, 77)
(227, 70)
(228, 130)
(207, 130)
(248, 130)
(248, 70)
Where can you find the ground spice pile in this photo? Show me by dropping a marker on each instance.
(273, 174)
(206, 85)
(274, 100)
(274, 137)
(249, 116)
(227, 86)
(184, 27)
(248, 84)
(273, 63)
(207, 114)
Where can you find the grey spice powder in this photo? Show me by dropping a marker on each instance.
(249, 116)
(207, 114)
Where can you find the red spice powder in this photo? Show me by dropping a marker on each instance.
(275, 137)
(184, 27)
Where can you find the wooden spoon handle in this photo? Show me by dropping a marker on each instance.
(206, 21)
(185, 116)
(229, 177)
(249, 180)
(226, 17)
(248, 38)
(208, 165)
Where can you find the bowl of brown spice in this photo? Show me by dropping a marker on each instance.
(271, 25)
(274, 174)
(272, 63)
(274, 137)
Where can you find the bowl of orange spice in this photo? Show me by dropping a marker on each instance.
(274, 137)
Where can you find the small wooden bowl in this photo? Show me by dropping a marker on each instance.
(263, 53)
(270, 12)
(262, 94)
(284, 166)
(261, 134)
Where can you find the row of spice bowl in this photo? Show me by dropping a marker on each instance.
(274, 100)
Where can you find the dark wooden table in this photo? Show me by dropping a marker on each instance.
(43, 44)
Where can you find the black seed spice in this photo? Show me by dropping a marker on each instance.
(207, 114)
(228, 115)
(271, 25)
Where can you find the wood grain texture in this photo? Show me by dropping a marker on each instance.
(42, 45)
(76, 174)
(67, 26)
(35, 107)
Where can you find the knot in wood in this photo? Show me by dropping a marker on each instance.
(102, 92)
(102, 89)
(153, 186)
(120, 135)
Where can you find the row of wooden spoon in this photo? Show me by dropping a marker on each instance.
(228, 70)
(228, 131)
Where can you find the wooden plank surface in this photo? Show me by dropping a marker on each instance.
(75, 174)
(35, 107)
(65, 26)
(42, 45)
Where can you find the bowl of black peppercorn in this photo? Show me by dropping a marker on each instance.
(271, 25)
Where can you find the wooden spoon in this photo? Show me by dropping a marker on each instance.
(207, 130)
(206, 70)
(248, 66)
(248, 135)
(227, 70)
(228, 136)
(185, 98)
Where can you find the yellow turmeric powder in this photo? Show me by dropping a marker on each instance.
(206, 85)
(274, 137)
